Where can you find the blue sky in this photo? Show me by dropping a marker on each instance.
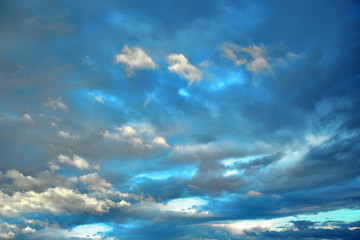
(179, 120)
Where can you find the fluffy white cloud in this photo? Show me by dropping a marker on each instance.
(180, 65)
(95, 182)
(160, 141)
(67, 135)
(237, 54)
(143, 138)
(26, 117)
(134, 58)
(56, 200)
(76, 161)
(55, 103)
(41, 181)
(253, 193)
(9, 231)
(99, 99)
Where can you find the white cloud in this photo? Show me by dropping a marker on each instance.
(160, 141)
(53, 124)
(257, 62)
(134, 58)
(26, 117)
(238, 228)
(76, 161)
(99, 99)
(180, 65)
(67, 135)
(141, 138)
(95, 182)
(253, 193)
(55, 103)
(41, 181)
(56, 200)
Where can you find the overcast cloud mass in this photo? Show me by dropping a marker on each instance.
(179, 119)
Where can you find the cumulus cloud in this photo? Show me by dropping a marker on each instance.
(253, 193)
(95, 182)
(9, 231)
(56, 200)
(26, 117)
(143, 138)
(76, 161)
(99, 99)
(66, 135)
(134, 58)
(258, 61)
(55, 103)
(180, 65)
(38, 183)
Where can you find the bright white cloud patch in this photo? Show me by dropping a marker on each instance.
(9, 231)
(76, 161)
(56, 200)
(141, 138)
(253, 193)
(55, 103)
(26, 117)
(180, 65)
(238, 228)
(95, 182)
(99, 99)
(134, 58)
(252, 56)
(66, 135)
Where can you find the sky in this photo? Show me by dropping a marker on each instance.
(179, 119)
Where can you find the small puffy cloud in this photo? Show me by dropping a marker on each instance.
(160, 141)
(95, 182)
(180, 65)
(55, 103)
(53, 124)
(99, 99)
(67, 135)
(142, 138)
(127, 131)
(204, 64)
(256, 63)
(134, 58)
(253, 193)
(26, 117)
(76, 161)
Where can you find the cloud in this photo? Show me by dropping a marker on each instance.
(99, 99)
(258, 62)
(95, 182)
(41, 181)
(179, 64)
(141, 139)
(9, 231)
(253, 193)
(66, 135)
(76, 161)
(241, 227)
(134, 58)
(55, 103)
(56, 200)
(26, 117)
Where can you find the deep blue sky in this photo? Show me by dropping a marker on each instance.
(179, 119)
